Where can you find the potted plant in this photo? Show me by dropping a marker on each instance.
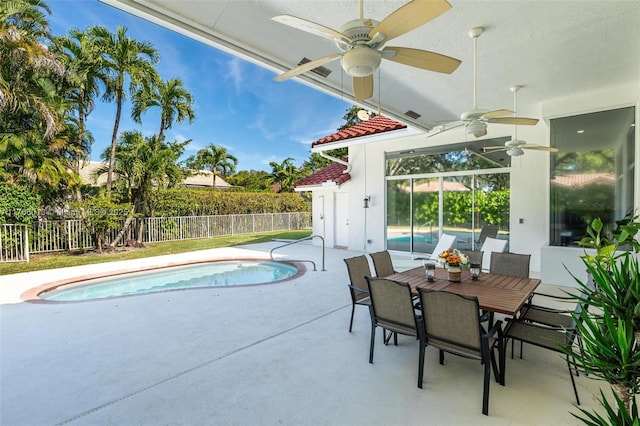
(610, 329)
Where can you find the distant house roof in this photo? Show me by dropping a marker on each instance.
(584, 179)
(331, 175)
(434, 186)
(377, 124)
(88, 174)
(202, 179)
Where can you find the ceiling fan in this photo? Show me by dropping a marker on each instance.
(515, 146)
(476, 119)
(361, 44)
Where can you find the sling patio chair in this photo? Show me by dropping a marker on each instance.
(358, 268)
(490, 246)
(547, 309)
(487, 231)
(513, 264)
(475, 256)
(452, 324)
(382, 263)
(392, 310)
(446, 241)
(554, 338)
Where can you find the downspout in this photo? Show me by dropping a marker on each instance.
(336, 160)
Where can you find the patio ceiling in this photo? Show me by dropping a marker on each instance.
(555, 48)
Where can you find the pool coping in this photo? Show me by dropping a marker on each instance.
(32, 295)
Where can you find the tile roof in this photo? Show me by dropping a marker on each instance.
(332, 173)
(377, 124)
(584, 179)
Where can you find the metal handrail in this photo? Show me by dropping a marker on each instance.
(296, 242)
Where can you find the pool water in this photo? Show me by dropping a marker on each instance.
(214, 274)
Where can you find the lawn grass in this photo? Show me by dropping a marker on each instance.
(62, 260)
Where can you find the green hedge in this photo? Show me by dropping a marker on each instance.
(202, 202)
(493, 207)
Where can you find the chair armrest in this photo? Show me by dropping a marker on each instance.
(358, 289)
(552, 296)
(540, 326)
(545, 309)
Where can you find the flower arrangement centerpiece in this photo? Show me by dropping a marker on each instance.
(453, 260)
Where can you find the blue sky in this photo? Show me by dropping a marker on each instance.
(237, 104)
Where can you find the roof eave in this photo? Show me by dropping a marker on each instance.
(359, 140)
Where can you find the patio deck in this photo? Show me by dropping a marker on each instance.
(269, 355)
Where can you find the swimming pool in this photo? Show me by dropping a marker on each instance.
(212, 274)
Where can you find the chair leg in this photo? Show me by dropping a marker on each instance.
(353, 309)
(485, 392)
(373, 340)
(421, 362)
(441, 357)
(573, 382)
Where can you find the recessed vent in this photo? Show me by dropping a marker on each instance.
(412, 114)
(321, 71)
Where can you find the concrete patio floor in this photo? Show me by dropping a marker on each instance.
(277, 354)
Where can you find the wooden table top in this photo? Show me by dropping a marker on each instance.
(503, 294)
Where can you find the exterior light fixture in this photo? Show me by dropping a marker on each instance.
(366, 201)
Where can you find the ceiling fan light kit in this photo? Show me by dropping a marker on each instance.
(361, 61)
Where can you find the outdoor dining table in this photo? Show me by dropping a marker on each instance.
(502, 294)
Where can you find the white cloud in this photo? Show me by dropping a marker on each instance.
(234, 71)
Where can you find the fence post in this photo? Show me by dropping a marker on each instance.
(26, 242)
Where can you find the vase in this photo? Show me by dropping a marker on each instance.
(454, 271)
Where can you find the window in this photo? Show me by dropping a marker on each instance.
(430, 191)
(593, 173)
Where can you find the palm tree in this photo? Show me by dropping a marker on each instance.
(175, 103)
(215, 159)
(146, 164)
(283, 174)
(31, 111)
(83, 60)
(124, 58)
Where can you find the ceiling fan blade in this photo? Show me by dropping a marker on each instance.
(363, 87)
(494, 148)
(496, 113)
(408, 17)
(540, 148)
(421, 59)
(521, 121)
(311, 27)
(307, 66)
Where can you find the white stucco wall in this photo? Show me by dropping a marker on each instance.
(529, 223)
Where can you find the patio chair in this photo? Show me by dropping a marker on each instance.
(490, 246)
(554, 338)
(475, 256)
(446, 241)
(382, 263)
(358, 268)
(452, 324)
(538, 310)
(513, 264)
(392, 310)
(488, 231)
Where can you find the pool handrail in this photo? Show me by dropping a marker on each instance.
(310, 237)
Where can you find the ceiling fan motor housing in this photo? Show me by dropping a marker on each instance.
(477, 128)
(361, 57)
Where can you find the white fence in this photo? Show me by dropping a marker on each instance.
(14, 243)
(17, 241)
